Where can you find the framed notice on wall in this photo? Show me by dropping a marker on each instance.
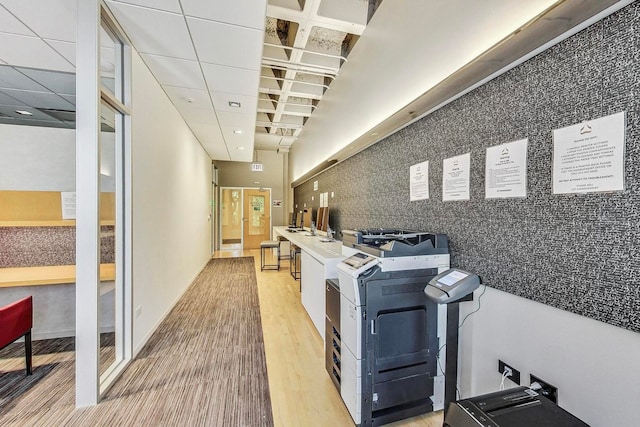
(506, 170)
(589, 157)
(419, 181)
(455, 177)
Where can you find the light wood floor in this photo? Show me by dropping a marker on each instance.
(302, 393)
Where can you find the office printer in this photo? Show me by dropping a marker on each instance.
(515, 407)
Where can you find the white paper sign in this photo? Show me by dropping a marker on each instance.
(455, 177)
(326, 199)
(68, 204)
(419, 181)
(506, 170)
(589, 157)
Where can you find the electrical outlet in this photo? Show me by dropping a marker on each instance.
(547, 390)
(515, 374)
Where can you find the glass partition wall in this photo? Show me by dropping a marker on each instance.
(114, 306)
(103, 260)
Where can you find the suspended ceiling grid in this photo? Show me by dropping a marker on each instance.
(305, 44)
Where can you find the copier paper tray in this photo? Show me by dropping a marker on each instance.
(515, 407)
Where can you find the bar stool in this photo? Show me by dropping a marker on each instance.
(294, 263)
(269, 245)
(283, 255)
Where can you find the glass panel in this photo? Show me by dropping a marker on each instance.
(109, 233)
(110, 63)
(231, 216)
(257, 215)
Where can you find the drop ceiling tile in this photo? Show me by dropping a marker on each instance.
(7, 100)
(41, 123)
(12, 79)
(212, 132)
(237, 140)
(231, 79)
(199, 115)
(11, 24)
(212, 140)
(246, 13)
(31, 52)
(35, 114)
(248, 104)
(55, 81)
(40, 99)
(239, 121)
(70, 98)
(156, 32)
(225, 44)
(167, 5)
(190, 98)
(66, 49)
(51, 19)
(175, 72)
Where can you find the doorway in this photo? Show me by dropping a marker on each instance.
(245, 217)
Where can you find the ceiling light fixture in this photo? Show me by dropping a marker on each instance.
(24, 113)
(237, 131)
(234, 104)
(240, 148)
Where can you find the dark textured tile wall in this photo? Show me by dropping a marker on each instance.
(43, 246)
(579, 253)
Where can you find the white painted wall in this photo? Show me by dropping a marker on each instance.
(595, 366)
(44, 159)
(171, 184)
(37, 158)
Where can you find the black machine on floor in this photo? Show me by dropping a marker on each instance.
(515, 407)
(385, 357)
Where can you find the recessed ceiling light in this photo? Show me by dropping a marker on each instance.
(240, 148)
(24, 113)
(237, 131)
(235, 104)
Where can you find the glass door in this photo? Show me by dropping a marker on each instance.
(257, 217)
(231, 218)
(245, 217)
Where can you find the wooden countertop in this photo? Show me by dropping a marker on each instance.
(47, 275)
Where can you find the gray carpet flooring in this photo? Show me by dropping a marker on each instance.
(204, 366)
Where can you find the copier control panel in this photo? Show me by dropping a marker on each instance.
(451, 285)
(358, 263)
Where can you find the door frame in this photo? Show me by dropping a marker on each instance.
(219, 212)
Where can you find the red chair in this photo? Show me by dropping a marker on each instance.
(16, 320)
